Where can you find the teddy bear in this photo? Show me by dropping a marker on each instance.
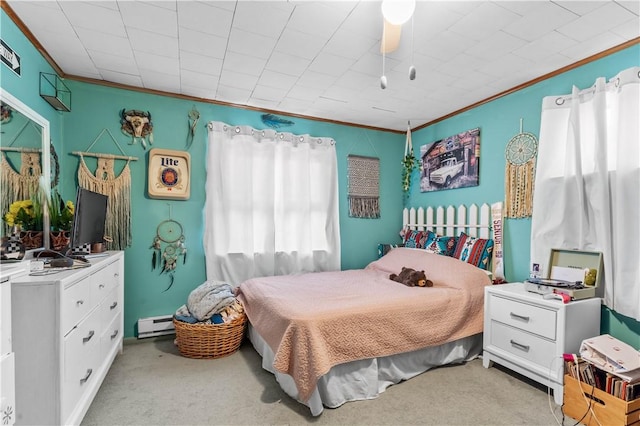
(412, 278)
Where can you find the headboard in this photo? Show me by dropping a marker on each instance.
(451, 220)
(477, 222)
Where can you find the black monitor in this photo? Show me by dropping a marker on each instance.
(89, 219)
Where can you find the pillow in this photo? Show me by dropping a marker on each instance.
(441, 245)
(384, 248)
(416, 239)
(476, 251)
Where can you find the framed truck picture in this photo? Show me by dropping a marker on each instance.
(452, 162)
(169, 174)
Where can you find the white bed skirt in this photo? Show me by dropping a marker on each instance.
(366, 379)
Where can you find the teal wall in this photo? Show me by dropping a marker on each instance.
(499, 121)
(26, 86)
(95, 108)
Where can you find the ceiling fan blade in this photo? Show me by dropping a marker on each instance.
(390, 37)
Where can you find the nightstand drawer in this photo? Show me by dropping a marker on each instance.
(533, 319)
(523, 345)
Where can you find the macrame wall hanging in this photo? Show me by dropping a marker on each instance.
(364, 186)
(20, 184)
(168, 245)
(117, 188)
(519, 179)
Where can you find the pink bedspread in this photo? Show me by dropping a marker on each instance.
(315, 321)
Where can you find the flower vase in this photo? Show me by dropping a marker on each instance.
(31, 239)
(59, 240)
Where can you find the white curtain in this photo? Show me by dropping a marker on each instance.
(587, 188)
(271, 204)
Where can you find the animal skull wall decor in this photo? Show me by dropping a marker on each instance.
(137, 124)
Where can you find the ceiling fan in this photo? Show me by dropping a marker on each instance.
(394, 14)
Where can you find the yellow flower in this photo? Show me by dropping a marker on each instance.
(26, 213)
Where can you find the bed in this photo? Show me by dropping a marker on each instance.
(334, 337)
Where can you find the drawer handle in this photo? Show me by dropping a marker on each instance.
(520, 317)
(86, 339)
(115, 333)
(117, 274)
(112, 307)
(519, 345)
(86, 377)
(101, 286)
(80, 302)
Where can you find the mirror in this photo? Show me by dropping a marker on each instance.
(23, 132)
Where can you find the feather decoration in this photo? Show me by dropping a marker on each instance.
(170, 282)
(275, 122)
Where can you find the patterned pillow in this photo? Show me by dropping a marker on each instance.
(416, 239)
(441, 245)
(476, 251)
(385, 248)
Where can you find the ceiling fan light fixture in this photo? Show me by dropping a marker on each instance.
(397, 12)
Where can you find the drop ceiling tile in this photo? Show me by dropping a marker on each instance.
(348, 44)
(483, 21)
(277, 80)
(545, 46)
(295, 43)
(262, 17)
(157, 80)
(251, 44)
(238, 80)
(627, 31)
(268, 93)
(316, 80)
(597, 22)
(341, 93)
(106, 43)
(581, 8)
(233, 94)
(630, 5)
(105, 61)
(326, 63)
(122, 78)
(198, 92)
(104, 20)
(496, 45)
(193, 62)
(262, 103)
(201, 43)
(157, 44)
(371, 64)
(592, 46)
(365, 19)
(505, 65)
(446, 46)
(166, 4)
(544, 19)
(163, 64)
(113, 5)
(317, 18)
(36, 15)
(199, 79)
(243, 63)
(303, 93)
(356, 80)
(287, 64)
(205, 17)
(154, 19)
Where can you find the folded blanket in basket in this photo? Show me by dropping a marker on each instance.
(209, 298)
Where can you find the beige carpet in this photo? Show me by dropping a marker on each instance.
(151, 384)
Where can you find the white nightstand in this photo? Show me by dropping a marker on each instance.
(529, 334)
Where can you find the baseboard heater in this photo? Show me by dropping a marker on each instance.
(155, 326)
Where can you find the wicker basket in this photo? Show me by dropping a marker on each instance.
(209, 340)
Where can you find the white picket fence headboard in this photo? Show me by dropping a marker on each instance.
(451, 220)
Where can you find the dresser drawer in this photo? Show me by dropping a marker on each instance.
(111, 305)
(81, 360)
(7, 389)
(523, 345)
(76, 303)
(534, 319)
(102, 282)
(111, 336)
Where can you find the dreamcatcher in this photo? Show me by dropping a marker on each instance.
(520, 169)
(168, 245)
(194, 116)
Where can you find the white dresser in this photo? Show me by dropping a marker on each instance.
(8, 272)
(67, 329)
(529, 334)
